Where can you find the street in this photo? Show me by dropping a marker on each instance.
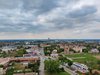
(69, 71)
(41, 69)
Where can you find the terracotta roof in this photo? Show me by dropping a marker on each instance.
(4, 60)
(25, 59)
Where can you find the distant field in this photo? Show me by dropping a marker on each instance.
(61, 73)
(88, 59)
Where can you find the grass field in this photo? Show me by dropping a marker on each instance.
(61, 73)
(85, 58)
(19, 66)
(82, 57)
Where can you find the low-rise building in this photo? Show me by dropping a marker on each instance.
(54, 54)
(67, 47)
(24, 59)
(94, 51)
(4, 61)
(80, 67)
(7, 48)
(78, 48)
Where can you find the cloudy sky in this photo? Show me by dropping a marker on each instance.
(34, 19)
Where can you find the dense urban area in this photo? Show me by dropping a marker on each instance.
(50, 57)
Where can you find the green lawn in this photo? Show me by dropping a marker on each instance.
(84, 58)
(61, 73)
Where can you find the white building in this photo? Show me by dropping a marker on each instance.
(54, 54)
(78, 48)
(7, 48)
(80, 67)
(94, 51)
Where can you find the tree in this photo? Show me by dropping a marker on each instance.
(89, 47)
(20, 52)
(98, 62)
(60, 50)
(99, 49)
(4, 54)
(72, 50)
(1, 66)
(70, 62)
(24, 71)
(63, 59)
(19, 47)
(52, 66)
(85, 50)
(39, 45)
(90, 70)
(48, 50)
(10, 71)
(0, 50)
(34, 66)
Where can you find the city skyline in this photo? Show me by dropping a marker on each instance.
(56, 19)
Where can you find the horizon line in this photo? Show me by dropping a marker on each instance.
(56, 39)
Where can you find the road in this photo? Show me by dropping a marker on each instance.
(70, 71)
(41, 68)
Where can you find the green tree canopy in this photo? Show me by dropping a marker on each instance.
(20, 52)
(52, 66)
